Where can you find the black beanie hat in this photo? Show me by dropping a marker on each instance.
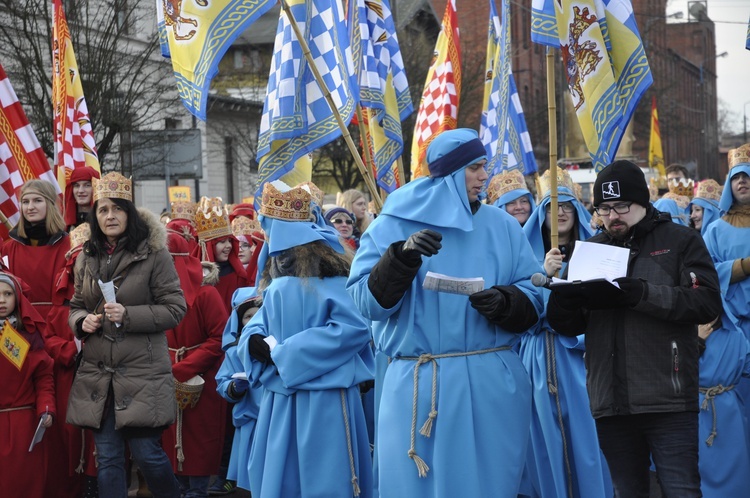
(621, 181)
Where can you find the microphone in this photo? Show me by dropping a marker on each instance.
(540, 280)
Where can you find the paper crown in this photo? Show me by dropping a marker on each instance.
(243, 225)
(183, 210)
(317, 194)
(659, 183)
(564, 180)
(681, 187)
(504, 182)
(740, 155)
(212, 219)
(79, 235)
(709, 189)
(286, 205)
(112, 186)
(682, 201)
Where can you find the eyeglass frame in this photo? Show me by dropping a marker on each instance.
(613, 207)
(341, 220)
(567, 207)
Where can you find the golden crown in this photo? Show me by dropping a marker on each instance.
(659, 183)
(681, 187)
(317, 194)
(740, 155)
(212, 219)
(290, 205)
(112, 186)
(709, 189)
(543, 187)
(79, 235)
(682, 200)
(183, 210)
(242, 225)
(504, 182)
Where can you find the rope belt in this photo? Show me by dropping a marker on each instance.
(16, 408)
(180, 352)
(710, 393)
(426, 429)
(355, 484)
(178, 356)
(41, 304)
(552, 388)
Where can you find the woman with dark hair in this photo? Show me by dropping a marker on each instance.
(123, 388)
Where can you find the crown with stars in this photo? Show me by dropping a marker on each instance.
(112, 186)
(184, 210)
(287, 205)
(212, 219)
(740, 155)
(242, 225)
(709, 189)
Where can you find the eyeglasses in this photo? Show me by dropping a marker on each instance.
(565, 206)
(339, 221)
(244, 246)
(622, 208)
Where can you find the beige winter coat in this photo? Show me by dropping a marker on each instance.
(133, 358)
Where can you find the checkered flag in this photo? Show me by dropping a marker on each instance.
(438, 110)
(21, 156)
(296, 116)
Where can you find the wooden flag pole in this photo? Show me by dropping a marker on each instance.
(552, 117)
(5, 221)
(327, 94)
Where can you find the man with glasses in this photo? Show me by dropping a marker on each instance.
(642, 348)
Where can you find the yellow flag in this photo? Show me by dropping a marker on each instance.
(655, 153)
(13, 345)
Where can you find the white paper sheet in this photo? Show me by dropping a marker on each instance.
(591, 260)
(452, 285)
(108, 291)
(39, 433)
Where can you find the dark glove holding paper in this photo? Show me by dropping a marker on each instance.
(259, 349)
(634, 290)
(489, 302)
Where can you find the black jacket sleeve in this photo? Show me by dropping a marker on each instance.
(566, 322)
(392, 275)
(518, 315)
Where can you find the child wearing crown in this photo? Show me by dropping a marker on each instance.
(28, 394)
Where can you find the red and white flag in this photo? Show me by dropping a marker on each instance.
(21, 155)
(75, 145)
(438, 110)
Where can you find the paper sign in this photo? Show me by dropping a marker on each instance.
(179, 194)
(13, 345)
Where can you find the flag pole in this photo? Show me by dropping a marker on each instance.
(324, 88)
(552, 117)
(5, 221)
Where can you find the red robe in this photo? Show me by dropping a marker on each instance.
(202, 425)
(22, 474)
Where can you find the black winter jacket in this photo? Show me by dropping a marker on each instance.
(644, 359)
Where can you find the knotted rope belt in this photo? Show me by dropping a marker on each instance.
(16, 408)
(179, 354)
(553, 390)
(710, 393)
(426, 429)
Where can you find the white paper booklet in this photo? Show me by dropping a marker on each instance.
(108, 291)
(591, 260)
(452, 285)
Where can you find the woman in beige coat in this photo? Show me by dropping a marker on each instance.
(123, 388)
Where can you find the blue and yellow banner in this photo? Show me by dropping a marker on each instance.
(196, 34)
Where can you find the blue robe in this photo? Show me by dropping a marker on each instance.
(244, 411)
(547, 470)
(711, 212)
(478, 439)
(300, 447)
(679, 215)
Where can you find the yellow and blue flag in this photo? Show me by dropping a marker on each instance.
(384, 89)
(605, 64)
(196, 35)
(509, 146)
(296, 116)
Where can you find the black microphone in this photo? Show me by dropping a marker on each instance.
(540, 280)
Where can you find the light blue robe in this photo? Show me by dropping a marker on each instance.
(547, 470)
(300, 447)
(711, 212)
(678, 214)
(244, 411)
(478, 439)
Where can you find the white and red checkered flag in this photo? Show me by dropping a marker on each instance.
(21, 156)
(75, 145)
(438, 109)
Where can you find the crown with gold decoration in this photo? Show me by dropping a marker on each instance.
(740, 155)
(710, 190)
(659, 183)
(504, 182)
(317, 194)
(682, 201)
(289, 205)
(564, 180)
(681, 187)
(79, 235)
(112, 186)
(212, 219)
(183, 210)
(242, 225)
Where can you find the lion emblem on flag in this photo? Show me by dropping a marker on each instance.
(173, 18)
(581, 56)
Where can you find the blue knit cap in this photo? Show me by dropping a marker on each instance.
(453, 150)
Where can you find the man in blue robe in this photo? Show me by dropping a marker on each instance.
(452, 371)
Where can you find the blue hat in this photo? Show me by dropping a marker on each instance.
(727, 198)
(334, 211)
(453, 150)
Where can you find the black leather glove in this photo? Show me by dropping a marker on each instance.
(423, 243)
(259, 349)
(365, 386)
(633, 288)
(568, 302)
(488, 302)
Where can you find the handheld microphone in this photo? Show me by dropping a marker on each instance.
(540, 280)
